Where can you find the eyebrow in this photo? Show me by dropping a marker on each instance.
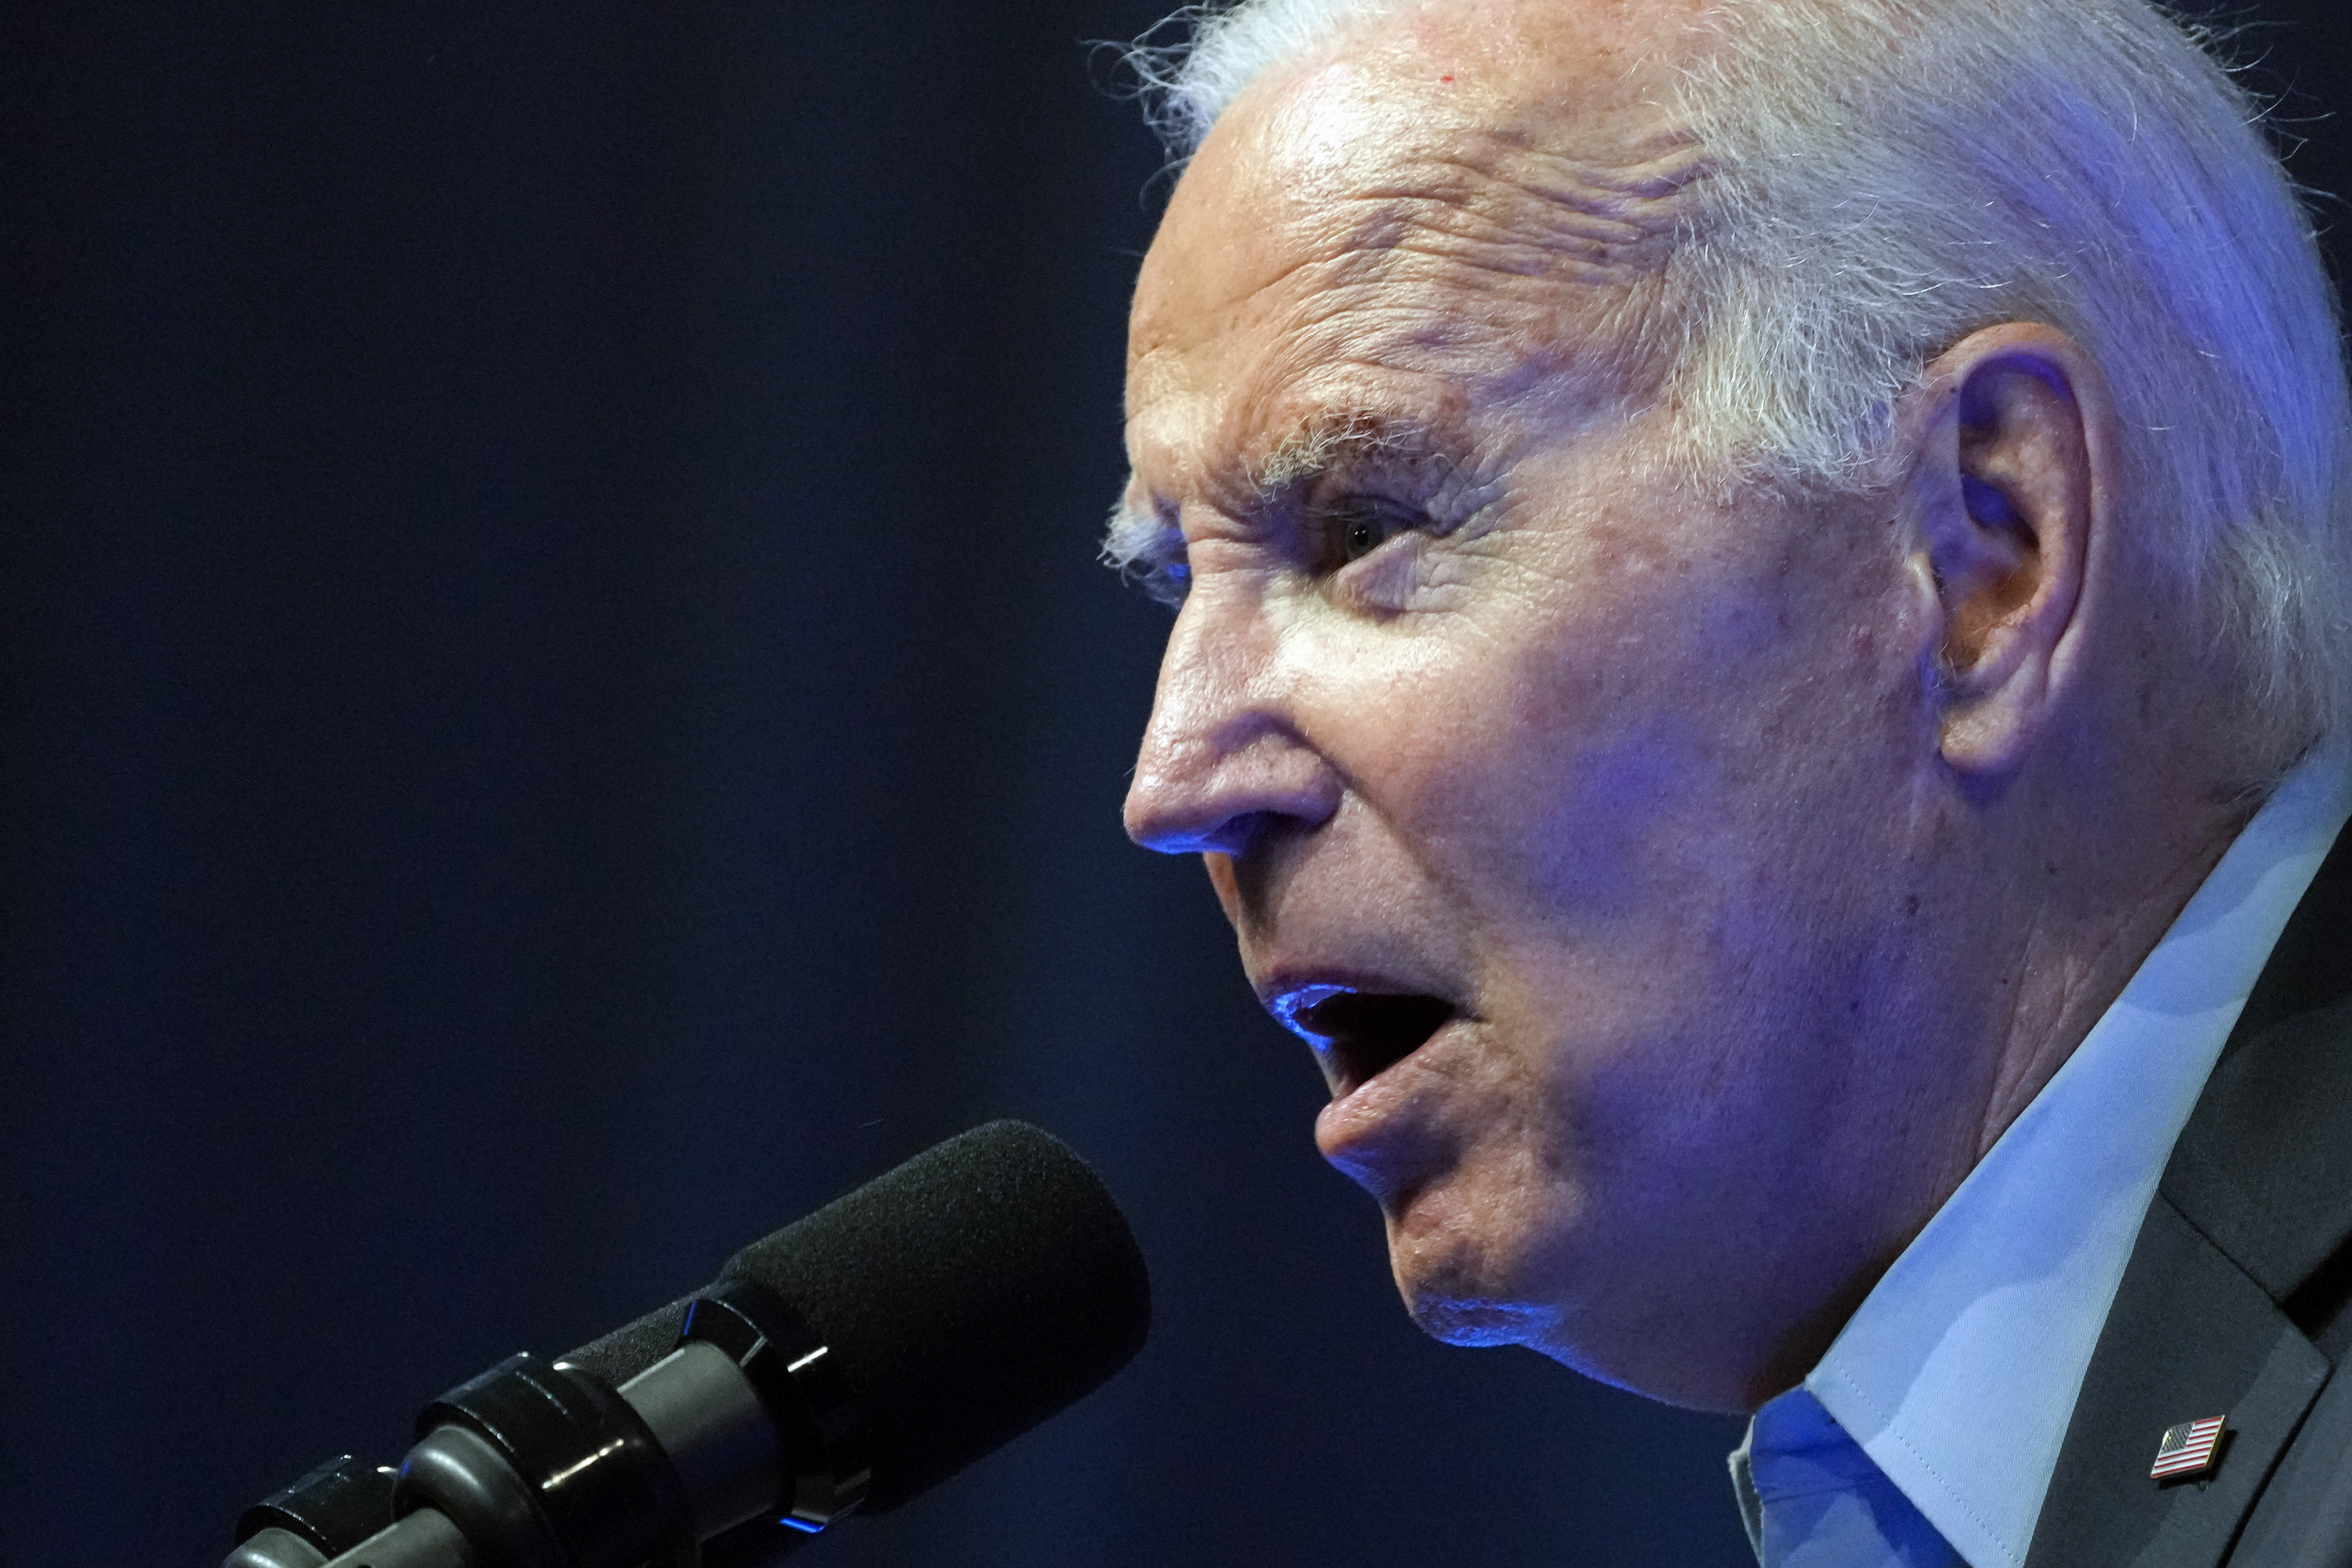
(1145, 544)
(1338, 437)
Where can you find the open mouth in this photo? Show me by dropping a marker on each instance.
(1361, 1034)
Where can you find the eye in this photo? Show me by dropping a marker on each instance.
(1357, 528)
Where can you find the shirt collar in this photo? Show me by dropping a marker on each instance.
(1957, 1374)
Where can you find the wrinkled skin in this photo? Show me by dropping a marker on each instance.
(1767, 854)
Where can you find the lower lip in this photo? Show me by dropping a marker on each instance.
(1357, 1116)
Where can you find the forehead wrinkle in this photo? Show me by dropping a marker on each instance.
(1497, 204)
(1489, 346)
(1473, 255)
(1470, 261)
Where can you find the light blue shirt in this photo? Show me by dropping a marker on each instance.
(1957, 1374)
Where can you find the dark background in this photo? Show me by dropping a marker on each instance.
(558, 710)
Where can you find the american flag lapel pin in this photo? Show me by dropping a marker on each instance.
(2188, 1450)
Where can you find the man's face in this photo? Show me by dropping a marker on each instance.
(1563, 809)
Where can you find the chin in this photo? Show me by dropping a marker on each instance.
(1473, 1262)
(1452, 1299)
(1476, 1323)
(1466, 1296)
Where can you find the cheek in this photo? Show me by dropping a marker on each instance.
(1606, 811)
(1553, 788)
(1669, 762)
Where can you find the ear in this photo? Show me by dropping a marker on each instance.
(2010, 469)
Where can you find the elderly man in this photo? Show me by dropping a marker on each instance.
(1761, 645)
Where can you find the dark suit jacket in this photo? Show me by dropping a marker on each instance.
(2236, 1297)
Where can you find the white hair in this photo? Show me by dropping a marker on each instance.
(1890, 175)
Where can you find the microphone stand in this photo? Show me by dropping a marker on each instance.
(729, 1452)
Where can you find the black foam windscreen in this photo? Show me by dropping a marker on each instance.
(967, 1295)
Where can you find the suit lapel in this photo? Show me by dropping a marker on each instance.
(2190, 1336)
(2255, 1198)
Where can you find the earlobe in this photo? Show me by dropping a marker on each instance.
(2004, 490)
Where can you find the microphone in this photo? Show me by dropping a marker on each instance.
(848, 1362)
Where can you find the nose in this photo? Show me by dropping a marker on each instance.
(1223, 758)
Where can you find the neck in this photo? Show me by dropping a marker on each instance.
(2089, 889)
